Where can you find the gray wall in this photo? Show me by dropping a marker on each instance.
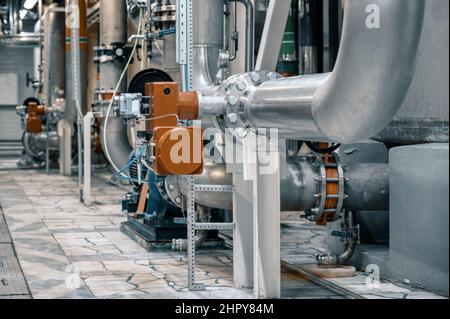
(419, 215)
(19, 61)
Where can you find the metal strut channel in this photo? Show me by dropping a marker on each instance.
(214, 226)
(214, 188)
(184, 37)
(191, 229)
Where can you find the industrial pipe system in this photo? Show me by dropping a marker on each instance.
(355, 101)
(113, 17)
(14, 35)
(366, 185)
(208, 28)
(249, 33)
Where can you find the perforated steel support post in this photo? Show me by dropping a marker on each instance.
(184, 39)
(191, 216)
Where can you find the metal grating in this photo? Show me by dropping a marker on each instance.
(12, 281)
(5, 237)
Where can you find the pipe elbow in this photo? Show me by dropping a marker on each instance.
(374, 69)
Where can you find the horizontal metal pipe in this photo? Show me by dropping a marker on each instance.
(367, 186)
(285, 104)
(23, 39)
(372, 75)
(213, 174)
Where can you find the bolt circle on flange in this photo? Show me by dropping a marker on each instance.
(237, 89)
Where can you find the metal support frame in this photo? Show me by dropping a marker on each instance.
(274, 27)
(191, 221)
(65, 147)
(214, 188)
(87, 198)
(184, 57)
(243, 232)
(266, 227)
(193, 226)
(47, 146)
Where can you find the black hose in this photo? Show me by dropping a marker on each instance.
(317, 149)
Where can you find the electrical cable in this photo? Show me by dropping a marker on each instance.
(127, 166)
(160, 117)
(317, 149)
(108, 112)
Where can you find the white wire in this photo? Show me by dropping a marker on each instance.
(108, 156)
(160, 117)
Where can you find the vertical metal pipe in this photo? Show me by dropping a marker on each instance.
(310, 36)
(249, 34)
(113, 29)
(13, 17)
(54, 55)
(71, 108)
(335, 18)
(208, 40)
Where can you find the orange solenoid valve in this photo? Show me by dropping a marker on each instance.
(35, 114)
(178, 150)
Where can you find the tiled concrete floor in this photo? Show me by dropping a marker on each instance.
(68, 250)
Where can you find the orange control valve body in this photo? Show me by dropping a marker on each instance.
(178, 150)
(34, 118)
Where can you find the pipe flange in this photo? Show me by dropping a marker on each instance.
(172, 191)
(331, 185)
(237, 91)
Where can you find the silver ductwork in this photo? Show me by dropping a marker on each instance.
(208, 41)
(113, 21)
(372, 75)
(54, 53)
(366, 186)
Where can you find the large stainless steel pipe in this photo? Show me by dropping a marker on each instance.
(54, 53)
(208, 41)
(367, 186)
(71, 108)
(372, 75)
(213, 174)
(113, 29)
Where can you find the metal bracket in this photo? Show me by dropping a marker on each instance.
(181, 26)
(214, 226)
(214, 188)
(192, 284)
